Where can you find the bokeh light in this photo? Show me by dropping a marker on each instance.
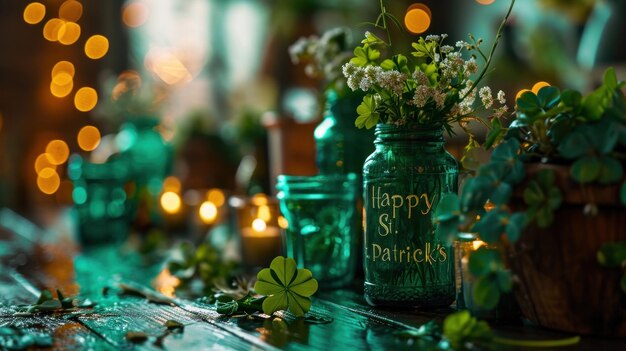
(88, 138)
(166, 65)
(71, 10)
(170, 202)
(63, 67)
(259, 225)
(519, 93)
(69, 32)
(259, 199)
(61, 90)
(417, 18)
(57, 151)
(51, 29)
(208, 212)
(538, 86)
(135, 14)
(85, 99)
(48, 181)
(34, 12)
(43, 161)
(264, 213)
(282, 222)
(96, 46)
(216, 196)
(485, 2)
(172, 183)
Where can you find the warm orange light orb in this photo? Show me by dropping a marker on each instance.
(68, 34)
(59, 90)
(485, 2)
(63, 67)
(135, 14)
(52, 28)
(170, 202)
(417, 18)
(57, 152)
(34, 13)
(71, 10)
(172, 183)
(42, 162)
(48, 181)
(96, 47)
(88, 138)
(208, 212)
(85, 99)
(538, 86)
(216, 196)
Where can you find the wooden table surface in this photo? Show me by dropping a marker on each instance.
(29, 262)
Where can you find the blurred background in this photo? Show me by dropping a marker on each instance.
(202, 94)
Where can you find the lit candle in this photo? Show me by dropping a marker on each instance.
(260, 243)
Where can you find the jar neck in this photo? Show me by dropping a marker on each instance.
(390, 134)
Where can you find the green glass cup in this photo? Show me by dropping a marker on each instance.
(321, 235)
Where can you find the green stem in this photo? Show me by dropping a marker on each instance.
(537, 343)
(493, 49)
(383, 11)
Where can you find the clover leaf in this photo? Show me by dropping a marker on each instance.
(287, 287)
(543, 198)
(461, 328)
(448, 216)
(364, 55)
(368, 117)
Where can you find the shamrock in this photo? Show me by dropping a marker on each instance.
(460, 329)
(543, 197)
(368, 117)
(286, 286)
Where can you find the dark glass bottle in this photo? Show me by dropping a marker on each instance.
(404, 179)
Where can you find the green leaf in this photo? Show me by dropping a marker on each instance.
(501, 194)
(227, 307)
(364, 55)
(549, 97)
(611, 170)
(586, 169)
(368, 117)
(486, 292)
(484, 261)
(461, 328)
(287, 287)
(504, 280)
(448, 206)
(528, 103)
(490, 226)
(45, 295)
(610, 79)
(575, 145)
(533, 194)
(544, 216)
(571, 98)
(475, 193)
(612, 255)
(371, 39)
(516, 225)
(496, 132)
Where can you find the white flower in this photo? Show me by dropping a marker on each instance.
(437, 57)
(470, 67)
(445, 49)
(486, 97)
(500, 111)
(440, 99)
(465, 106)
(420, 78)
(348, 69)
(422, 94)
(365, 84)
(373, 72)
(433, 37)
(354, 74)
(392, 80)
(443, 36)
(461, 44)
(501, 98)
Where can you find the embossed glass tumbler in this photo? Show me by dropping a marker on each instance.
(320, 234)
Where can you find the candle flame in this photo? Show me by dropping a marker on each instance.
(476, 244)
(259, 225)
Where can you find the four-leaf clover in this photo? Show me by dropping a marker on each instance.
(287, 287)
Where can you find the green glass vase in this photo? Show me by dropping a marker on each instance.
(341, 147)
(404, 179)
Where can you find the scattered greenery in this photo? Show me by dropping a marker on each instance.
(433, 86)
(140, 337)
(461, 331)
(46, 303)
(134, 289)
(203, 263)
(281, 287)
(587, 133)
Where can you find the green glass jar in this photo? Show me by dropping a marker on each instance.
(404, 179)
(341, 147)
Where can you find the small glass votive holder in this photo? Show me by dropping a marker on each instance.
(257, 222)
(320, 235)
(100, 200)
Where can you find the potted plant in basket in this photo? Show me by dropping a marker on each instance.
(412, 100)
(549, 204)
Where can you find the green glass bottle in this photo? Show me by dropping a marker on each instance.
(341, 147)
(404, 179)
